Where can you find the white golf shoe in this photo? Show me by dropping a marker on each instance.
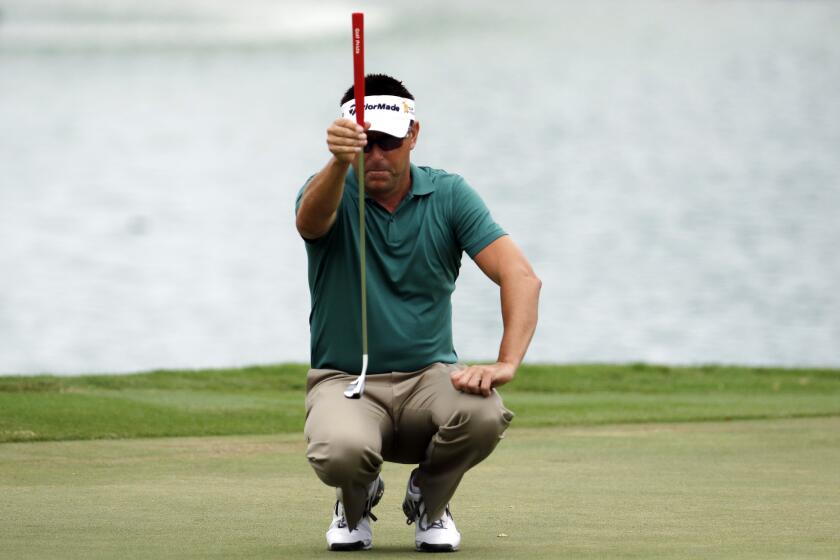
(430, 535)
(339, 535)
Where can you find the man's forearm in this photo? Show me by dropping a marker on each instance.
(320, 201)
(519, 287)
(520, 294)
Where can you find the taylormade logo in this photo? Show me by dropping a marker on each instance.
(396, 106)
(377, 107)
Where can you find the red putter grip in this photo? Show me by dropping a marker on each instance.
(359, 65)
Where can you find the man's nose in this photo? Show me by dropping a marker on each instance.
(375, 153)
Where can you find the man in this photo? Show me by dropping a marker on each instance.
(420, 405)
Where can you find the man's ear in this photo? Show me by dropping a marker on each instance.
(415, 133)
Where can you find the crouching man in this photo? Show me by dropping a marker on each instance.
(420, 405)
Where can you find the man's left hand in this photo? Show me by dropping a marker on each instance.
(481, 379)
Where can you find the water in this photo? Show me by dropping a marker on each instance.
(670, 168)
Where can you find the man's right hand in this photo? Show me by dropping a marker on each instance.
(319, 204)
(345, 139)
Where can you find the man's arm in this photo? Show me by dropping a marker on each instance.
(318, 206)
(503, 262)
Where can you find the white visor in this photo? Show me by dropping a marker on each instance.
(385, 113)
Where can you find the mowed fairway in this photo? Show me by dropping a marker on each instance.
(744, 489)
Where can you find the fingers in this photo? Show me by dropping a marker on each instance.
(480, 380)
(345, 139)
(475, 379)
(486, 385)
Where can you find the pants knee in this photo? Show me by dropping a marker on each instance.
(483, 424)
(342, 459)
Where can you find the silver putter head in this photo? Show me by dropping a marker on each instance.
(356, 389)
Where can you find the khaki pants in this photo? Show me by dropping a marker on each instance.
(414, 417)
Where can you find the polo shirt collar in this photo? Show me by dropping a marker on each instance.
(420, 182)
(421, 185)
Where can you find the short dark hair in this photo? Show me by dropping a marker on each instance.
(379, 84)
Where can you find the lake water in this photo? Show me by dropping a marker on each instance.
(671, 168)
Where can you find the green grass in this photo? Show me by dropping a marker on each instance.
(766, 489)
(602, 461)
(269, 399)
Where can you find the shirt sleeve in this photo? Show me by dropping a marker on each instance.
(297, 207)
(474, 227)
(300, 193)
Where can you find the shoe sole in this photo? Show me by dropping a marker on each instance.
(426, 547)
(347, 547)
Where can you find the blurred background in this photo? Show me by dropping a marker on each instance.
(671, 168)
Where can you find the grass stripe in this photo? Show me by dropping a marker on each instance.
(269, 399)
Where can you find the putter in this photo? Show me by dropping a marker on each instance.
(356, 389)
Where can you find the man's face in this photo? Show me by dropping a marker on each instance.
(387, 172)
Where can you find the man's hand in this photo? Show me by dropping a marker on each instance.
(345, 139)
(481, 379)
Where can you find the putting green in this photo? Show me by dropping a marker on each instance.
(748, 489)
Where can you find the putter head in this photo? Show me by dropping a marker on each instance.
(356, 389)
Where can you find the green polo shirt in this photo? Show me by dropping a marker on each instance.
(413, 259)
